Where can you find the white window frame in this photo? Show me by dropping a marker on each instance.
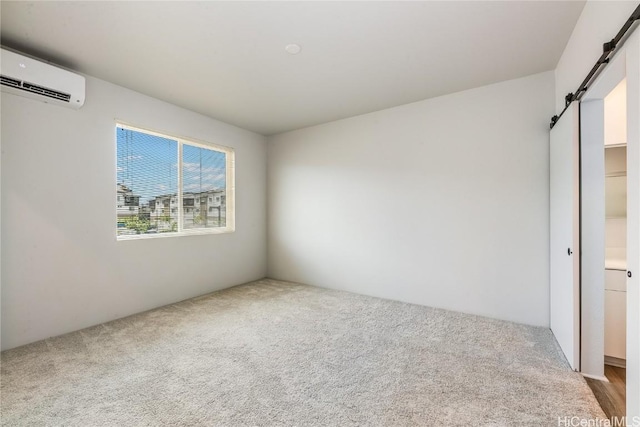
(230, 188)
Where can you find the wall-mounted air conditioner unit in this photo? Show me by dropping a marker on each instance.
(38, 80)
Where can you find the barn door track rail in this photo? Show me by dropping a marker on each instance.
(608, 50)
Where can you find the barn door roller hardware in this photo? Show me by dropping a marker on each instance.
(608, 49)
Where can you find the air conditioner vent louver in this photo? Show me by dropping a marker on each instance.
(46, 91)
(8, 81)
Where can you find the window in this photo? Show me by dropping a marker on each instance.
(161, 178)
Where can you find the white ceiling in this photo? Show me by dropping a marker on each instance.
(227, 59)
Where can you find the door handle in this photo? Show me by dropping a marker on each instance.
(569, 251)
(629, 274)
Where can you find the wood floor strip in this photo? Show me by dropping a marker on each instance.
(611, 395)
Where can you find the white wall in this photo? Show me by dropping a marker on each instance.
(442, 202)
(616, 232)
(615, 115)
(599, 22)
(62, 268)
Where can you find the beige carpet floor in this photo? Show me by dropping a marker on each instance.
(271, 353)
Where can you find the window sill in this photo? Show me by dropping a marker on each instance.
(221, 230)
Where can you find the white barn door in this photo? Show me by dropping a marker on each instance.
(564, 262)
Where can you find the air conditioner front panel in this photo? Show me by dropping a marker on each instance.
(38, 80)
